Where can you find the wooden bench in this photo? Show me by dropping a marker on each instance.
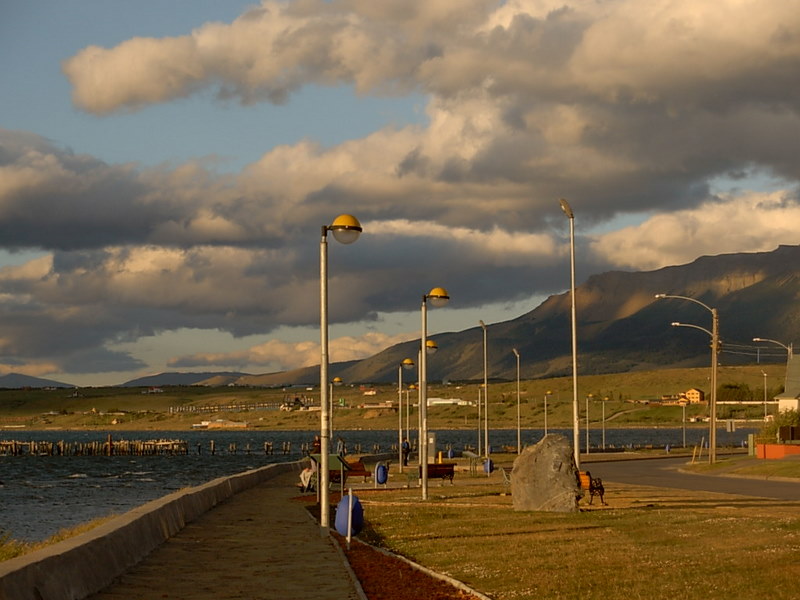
(592, 485)
(357, 469)
(440, 471)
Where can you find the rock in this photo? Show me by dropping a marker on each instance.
(544, 477)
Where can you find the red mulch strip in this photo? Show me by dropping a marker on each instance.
(384, 577)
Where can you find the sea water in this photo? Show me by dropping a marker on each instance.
(39, 495)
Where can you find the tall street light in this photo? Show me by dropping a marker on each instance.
(345, 229)
(438, 297)
(407, 364)
(588, 397)
(788, 348)
(547, 394)
(714, 333)
(576, 435)
(335, 382)
(519, 437)
(485, 392)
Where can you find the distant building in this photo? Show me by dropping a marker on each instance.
(790, 398)
(695, 396)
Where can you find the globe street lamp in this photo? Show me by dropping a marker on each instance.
(345, 230)
(438, 297)
(714, 333)
(335, 382)
(575, 417)
(485, 392)
(407, 364)
(519, 438)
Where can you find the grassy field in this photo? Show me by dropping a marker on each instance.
(626, 395)
(648, 543)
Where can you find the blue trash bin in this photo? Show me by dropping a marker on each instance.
(381, 473)
(357, 521)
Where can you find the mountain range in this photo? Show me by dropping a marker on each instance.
(18, 380)
(621, 326)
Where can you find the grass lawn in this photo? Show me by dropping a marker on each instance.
(648, 543)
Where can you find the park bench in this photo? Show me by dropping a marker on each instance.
(356, 468)
(440, 471)
(592, 485)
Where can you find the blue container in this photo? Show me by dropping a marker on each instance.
(488, 466)
(450, 453)
(357, 521)
(381, 473)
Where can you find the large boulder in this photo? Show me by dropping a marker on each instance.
(544, 477)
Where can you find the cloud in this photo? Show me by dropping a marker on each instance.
(760, 221)
(277, 355)
(623, 107)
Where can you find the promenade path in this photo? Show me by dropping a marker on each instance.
(259, 544)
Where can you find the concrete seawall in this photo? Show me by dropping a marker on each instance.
(82, 565)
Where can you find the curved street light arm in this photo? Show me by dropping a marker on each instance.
(695, 300)
(693, 327)
(786, 347)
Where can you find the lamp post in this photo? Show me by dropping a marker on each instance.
(411, 386)
(480, 445)
(603, 404)
(684, 424)
(588, 397)
(407, 364)
(519, 435)
(335, 382)
(485, 392)
(546, 395)
(438, 297)
(575, 418)
(345, 229)
(714, 333)
(788, 348)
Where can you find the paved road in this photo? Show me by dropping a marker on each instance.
(664, 472)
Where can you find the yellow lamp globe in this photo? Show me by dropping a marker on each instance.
(345, 229)
(438, 296)
(407, 364)
(431, 346)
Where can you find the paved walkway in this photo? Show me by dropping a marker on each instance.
(260, 544)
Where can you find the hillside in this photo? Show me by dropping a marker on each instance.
(18, 381)
(621, 326)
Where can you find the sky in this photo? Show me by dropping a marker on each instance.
(166, 167)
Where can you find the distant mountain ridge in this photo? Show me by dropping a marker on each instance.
(179, 378)
(621, 327)
(18, 380)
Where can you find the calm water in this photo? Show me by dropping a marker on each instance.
(41, 494)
